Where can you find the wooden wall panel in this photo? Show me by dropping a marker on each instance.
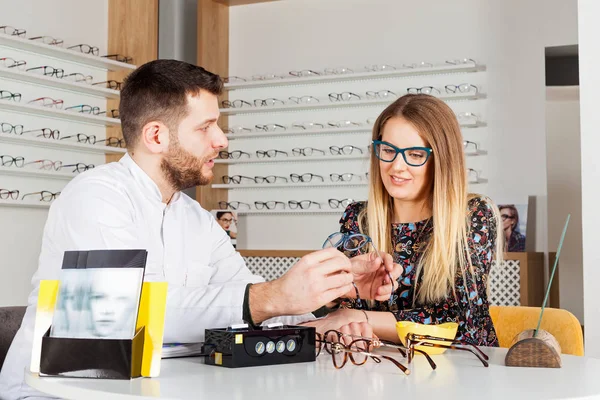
(132, 31)
(213, 55)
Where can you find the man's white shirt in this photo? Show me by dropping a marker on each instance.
(118, 206)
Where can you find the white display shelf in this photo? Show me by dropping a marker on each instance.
(326, 131)
(288, 185)
(326, 104)
(81, 88)
(25, 108)
(475, 153)
(291, 159)
(24, 204)
(477, 181)
(59, 144)
(326, 210)
(355, 76)
(36, 173)
(64, 54)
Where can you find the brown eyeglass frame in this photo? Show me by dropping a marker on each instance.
(413, 340)
(332, 347)
(376, 343)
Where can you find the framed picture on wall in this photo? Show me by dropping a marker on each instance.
(514, 223)
(228, 221)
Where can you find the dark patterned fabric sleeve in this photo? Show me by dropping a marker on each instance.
(349, 220)
(468, 306)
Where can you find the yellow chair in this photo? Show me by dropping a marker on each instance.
(564, 326)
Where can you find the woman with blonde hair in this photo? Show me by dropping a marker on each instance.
(419, 210)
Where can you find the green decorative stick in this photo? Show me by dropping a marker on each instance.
(560, 244)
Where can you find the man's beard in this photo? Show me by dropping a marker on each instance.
(182, 169)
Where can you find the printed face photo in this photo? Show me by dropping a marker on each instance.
(113, 302)
(97, 303)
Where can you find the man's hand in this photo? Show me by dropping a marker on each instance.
(317, 279)
(371, 276)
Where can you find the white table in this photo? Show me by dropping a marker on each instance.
(458, 376)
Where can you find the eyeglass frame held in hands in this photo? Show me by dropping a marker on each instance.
(342, 243)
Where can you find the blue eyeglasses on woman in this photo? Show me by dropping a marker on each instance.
(413, 156)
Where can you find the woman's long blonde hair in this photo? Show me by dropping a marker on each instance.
(447, 249)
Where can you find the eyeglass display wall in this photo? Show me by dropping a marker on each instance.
(299, 142)
(54, 121)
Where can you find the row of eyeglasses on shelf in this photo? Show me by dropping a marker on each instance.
(44, 195)
(463, 88)
(307, 177)
(463, 118)
(53, 41)
(48, 165)
(295, 178)
(280, 205)
(58, 104)
(48, 133)
(346, 150)
(59, 73)
(296, 152)
(309, 73)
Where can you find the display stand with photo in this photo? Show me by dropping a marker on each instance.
(100, 320)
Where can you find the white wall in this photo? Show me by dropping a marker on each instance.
(564, 191)
(589, 81)
(508, 36)
(21, 228)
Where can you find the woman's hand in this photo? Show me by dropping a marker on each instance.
(372, 276)
(355, 329)
(345, 320)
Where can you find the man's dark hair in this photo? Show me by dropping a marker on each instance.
(157, 91)
(221, 213)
